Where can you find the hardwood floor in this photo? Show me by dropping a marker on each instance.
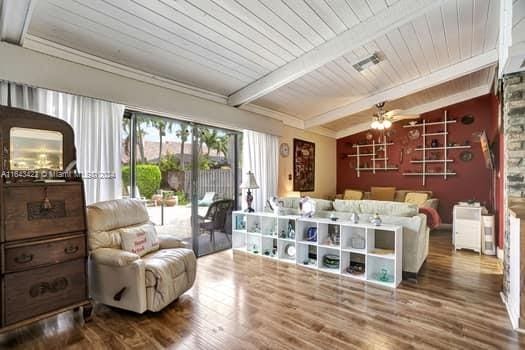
(245, 302)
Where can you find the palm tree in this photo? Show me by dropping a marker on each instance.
(126, 128)
(221, 145)
(183, 134)
(163, 126)
(142, 123)
(209, 138)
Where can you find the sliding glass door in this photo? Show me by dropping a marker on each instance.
(185, 174)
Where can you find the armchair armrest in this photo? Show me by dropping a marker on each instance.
(113, 257)
(170, 242)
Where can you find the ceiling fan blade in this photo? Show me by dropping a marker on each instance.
(405, 117)
(393, 113)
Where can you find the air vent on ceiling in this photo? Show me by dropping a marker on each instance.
(367, 62)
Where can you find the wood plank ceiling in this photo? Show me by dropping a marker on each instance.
(224, 45)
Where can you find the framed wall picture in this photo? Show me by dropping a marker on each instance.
(303, 166)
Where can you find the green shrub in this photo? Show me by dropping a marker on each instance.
(148, 178)
(169, 163)
(183, 199)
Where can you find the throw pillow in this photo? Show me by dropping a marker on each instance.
(382, 193)
(416, 198)
(353, 195)
(139, 239)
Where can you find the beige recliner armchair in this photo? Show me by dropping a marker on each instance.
(124, 279)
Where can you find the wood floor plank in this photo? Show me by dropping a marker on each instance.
(241, 301)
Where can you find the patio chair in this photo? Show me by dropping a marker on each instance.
(208, 199)
(216, 219)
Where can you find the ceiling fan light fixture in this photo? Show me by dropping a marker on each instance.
(381, 119)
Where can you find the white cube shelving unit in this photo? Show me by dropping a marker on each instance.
(379, 248)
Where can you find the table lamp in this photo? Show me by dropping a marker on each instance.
(249, 183)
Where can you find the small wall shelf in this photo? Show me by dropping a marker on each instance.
(432, 161)
(441, 148)
(424, 161)
(378, 157)
(451, 121)
(428, 174)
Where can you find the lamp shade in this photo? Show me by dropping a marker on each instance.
(249, 182)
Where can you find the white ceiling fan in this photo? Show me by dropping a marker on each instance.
(383, 120)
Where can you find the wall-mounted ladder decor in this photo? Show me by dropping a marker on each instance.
(377, 153)
(425, 149)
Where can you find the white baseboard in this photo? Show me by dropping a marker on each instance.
(514, 319)
(500, 253)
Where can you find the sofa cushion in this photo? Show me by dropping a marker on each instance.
(347, 206)
(401, 194)
(353, 195)
(416, 198)
(323, 204)
(388, 208)
(140, 239)
(290, 202)
(169, 272)
(382, 193)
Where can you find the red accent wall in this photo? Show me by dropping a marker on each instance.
(473, 179)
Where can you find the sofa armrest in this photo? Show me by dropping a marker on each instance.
(113, 257)
(170, 242)
(431, 203)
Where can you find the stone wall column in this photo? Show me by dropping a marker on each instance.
(514, 149)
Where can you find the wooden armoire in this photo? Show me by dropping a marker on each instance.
(43, 225)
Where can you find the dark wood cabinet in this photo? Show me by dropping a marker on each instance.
(43, 256)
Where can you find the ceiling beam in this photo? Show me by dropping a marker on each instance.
(435, 78)
(387, 20)
(425, 108)
(15, 16)
(24, 66)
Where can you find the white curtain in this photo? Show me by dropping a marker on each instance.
(260, 156)
(3, 92)
(97, 127)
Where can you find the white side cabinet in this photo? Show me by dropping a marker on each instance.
(467, 227)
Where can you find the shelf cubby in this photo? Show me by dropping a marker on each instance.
(349, 258)
(269, 226)
(239, 222)
(281, 251)
(321, 252)
(306, 255)
(253, 223)
(353, 238)
(303, 225)
(380, 240)
(282, 227)
(376, 266)
(269, 246)
(253, 243)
